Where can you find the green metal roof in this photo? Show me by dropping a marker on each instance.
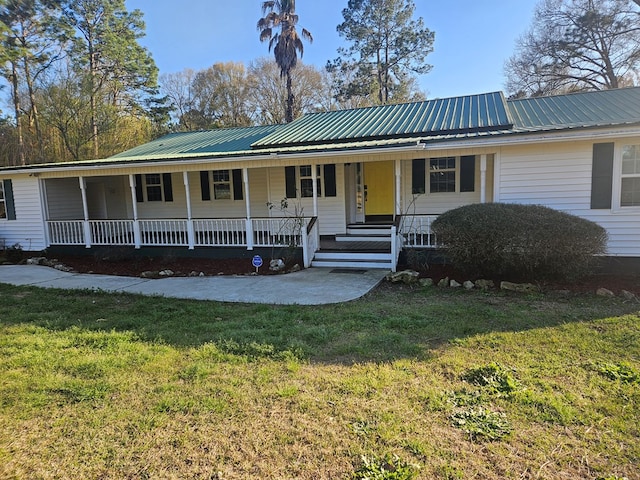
(224, 141)
(587, 109)
(450, 120)
(473, 113)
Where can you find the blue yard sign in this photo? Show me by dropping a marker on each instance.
(256, 261)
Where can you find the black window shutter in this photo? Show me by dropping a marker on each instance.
(290, 181)
(139, 195)
(418, 176)
(168, 188)
(330, 180)
(205, 189)
(467, 173)
(602, 176)
(237, 184)
(8, 199)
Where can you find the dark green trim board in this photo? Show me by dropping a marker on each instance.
(602, 176)
(8, 199)
(168, 187)
(205, 189)
(139, 194)
(290, 181)
(467, 173)
(237, 184)
(418, 176)
(330, 180)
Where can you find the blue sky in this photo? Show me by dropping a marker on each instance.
(473, 37)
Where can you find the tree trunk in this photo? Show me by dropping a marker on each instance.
(34, 108)
(288, 115)
(93, 104)
(16, 107)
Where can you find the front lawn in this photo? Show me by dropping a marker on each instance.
(417, 383)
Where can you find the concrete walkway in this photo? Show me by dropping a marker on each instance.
(314, 286)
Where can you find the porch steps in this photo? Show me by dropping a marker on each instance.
(351, 260)
(363, 246)
(362, 229)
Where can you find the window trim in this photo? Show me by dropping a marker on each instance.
(208, 185)
(416, 168)
(158, 185)
(616, 204)
(4, 213)
(226, 181)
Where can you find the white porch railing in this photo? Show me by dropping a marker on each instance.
(169, 233)
(310, 241)
(220, 232)
(112, 232)
(280, 231)
(416, 230)
(66, 232)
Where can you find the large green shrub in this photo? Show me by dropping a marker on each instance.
(519, 241)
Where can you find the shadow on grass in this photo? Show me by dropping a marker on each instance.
(389, 323)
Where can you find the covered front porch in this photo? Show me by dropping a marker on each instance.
(361, 211)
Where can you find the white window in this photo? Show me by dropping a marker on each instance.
(222, 184)
(306, 181)
(153, 183)
(442, 174)
(630, 178)
(3, 207)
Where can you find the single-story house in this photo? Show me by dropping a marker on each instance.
(373, 176)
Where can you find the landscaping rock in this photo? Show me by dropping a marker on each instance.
(627, 295)
(405, 276)
(63, 268)
(150, 274)
(37, 261)
(454, 284)
(166, 273)
(444, 282)
(485, 284)
(469, 285)
(276, 265)
(604, 292)
(426, 282)
(295, 268)
(520, 287)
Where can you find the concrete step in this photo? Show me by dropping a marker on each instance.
(364, 237)
(356, 256)
(365, 229)
(351, 264)
(352, 260)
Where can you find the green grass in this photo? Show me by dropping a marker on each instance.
(404, 383)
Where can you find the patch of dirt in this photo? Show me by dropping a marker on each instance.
(615, 283)
(133, 267)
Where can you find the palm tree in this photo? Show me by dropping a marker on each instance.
(286, 44)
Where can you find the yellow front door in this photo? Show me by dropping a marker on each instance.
(378, 182)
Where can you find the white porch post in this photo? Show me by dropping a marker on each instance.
(314, 179)
(483, 178)
(249, 227)
(398, 193)
(190, 231)
(137, 238)
(85, 210)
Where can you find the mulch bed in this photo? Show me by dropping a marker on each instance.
(242, 266)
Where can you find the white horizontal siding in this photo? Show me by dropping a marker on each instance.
(64, 199)
(559, 176)
(331, 210)
(27, 229)
(438, 203)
